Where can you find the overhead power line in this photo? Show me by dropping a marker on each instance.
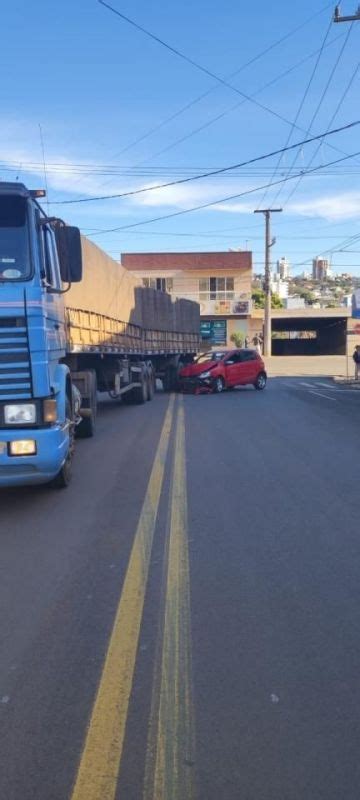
(206, 174)
(233, 107)
(336, 248)
(301, 105)
(201, 68)
(319, 105)
(224, 199)
(229, 76)
(195, 64)
(337, 109)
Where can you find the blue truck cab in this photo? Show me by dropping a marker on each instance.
(38, 257)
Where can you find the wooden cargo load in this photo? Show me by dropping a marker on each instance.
(110, 311)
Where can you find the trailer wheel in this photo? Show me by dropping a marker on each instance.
(151, 384)
(140, 393)
(87, 426)
(63, 478)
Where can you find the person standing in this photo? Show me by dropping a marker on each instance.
(257, 343)
(247, 342)
(356, 359)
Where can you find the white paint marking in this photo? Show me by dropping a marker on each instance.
(5, 698)
(320, 394)
(326, 386)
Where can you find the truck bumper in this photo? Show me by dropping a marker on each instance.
(51, 450)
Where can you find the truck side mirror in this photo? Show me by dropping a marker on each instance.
(68, 242)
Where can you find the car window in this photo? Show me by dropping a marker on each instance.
(248, 355)
(233, 357)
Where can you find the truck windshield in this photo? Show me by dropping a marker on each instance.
(14, 239)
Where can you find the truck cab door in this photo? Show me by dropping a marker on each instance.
(54, 306)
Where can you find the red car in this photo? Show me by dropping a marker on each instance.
(224, 369)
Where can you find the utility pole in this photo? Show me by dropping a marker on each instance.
(268, 244)
(349, 18)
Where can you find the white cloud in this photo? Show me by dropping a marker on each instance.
(330, 207)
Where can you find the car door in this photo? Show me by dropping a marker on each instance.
(232, 368)
(248, 367)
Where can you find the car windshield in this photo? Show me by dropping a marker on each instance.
(14, 239)
(217, 356)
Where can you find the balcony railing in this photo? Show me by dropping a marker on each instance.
(224, 304)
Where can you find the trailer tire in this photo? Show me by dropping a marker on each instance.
(63, 478)
(151, 384)
(87, 427)
(140, 393)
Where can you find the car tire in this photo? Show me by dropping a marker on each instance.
(260, 382)
(219, 385)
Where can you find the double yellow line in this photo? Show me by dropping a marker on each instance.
(171, 740)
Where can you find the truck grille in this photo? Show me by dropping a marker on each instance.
(15, 368)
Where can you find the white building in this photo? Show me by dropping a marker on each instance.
(283, 268)
(294, 302)
(279, 286)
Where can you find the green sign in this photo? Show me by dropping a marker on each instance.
(214, 331)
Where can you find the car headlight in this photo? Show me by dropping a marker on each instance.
(20, 414)
(205, 374)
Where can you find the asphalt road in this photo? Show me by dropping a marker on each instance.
(183, 622)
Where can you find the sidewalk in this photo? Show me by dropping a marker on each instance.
(302, 366)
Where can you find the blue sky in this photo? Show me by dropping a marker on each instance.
(96, 85)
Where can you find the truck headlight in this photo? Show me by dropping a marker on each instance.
(20, 414)
(23, 447)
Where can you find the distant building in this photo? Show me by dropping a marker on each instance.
(279, 286)
(294, 302)
(283, 268)
(321, 269)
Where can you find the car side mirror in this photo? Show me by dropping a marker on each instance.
(68, 242)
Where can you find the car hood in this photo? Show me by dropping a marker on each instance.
(197, 369)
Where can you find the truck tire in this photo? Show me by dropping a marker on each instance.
(151, 384)
(140, 393)
(63, 478)
(87, 427)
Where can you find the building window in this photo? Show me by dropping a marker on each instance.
(161, 284)
(216, 289)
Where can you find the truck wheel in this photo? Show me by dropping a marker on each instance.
(140, 393)
(87, 426)
(151, 385)
(63, 478)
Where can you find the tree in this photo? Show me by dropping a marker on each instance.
(276, 301)
(258, 298)
(308, 296)
(237, 338)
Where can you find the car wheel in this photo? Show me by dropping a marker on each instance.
(260, 382)
(219, 384)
